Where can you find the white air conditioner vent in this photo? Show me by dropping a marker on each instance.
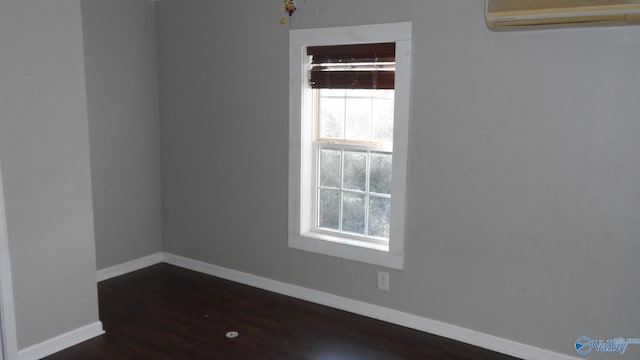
(536, 14)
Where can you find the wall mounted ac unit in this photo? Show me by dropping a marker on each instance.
(540, 14)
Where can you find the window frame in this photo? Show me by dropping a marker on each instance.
(301, 144)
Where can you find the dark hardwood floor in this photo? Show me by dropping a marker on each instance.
(165, 312)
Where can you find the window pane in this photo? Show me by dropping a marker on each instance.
(380, 173)
(382, 115)
(353, 213)
(359, 93)
(384, 94)
(330, 168)
(355, 170)
(329, 209)
(332, 117)
(379, 216)
(358, 118)
(332, 92)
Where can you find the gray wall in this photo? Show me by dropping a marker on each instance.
(524, 200)
(44, 150)
(124, 133)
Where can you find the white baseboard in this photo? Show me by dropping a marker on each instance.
(412, 321)
(129, 266)
(435, 327)
(61, 342)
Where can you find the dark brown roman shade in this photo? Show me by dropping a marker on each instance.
(358, 66)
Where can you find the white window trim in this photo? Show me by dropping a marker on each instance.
(301, 143)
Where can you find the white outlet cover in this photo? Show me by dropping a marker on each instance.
(383, 280)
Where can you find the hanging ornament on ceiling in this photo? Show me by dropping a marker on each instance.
(289, 8)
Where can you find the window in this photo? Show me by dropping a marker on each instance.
(349, 111)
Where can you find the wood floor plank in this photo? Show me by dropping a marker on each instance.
(165, 312)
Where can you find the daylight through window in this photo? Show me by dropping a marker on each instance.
(354, 96)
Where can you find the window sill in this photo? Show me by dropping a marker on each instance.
(346, 248)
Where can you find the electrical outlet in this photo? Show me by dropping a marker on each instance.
(383, 280)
